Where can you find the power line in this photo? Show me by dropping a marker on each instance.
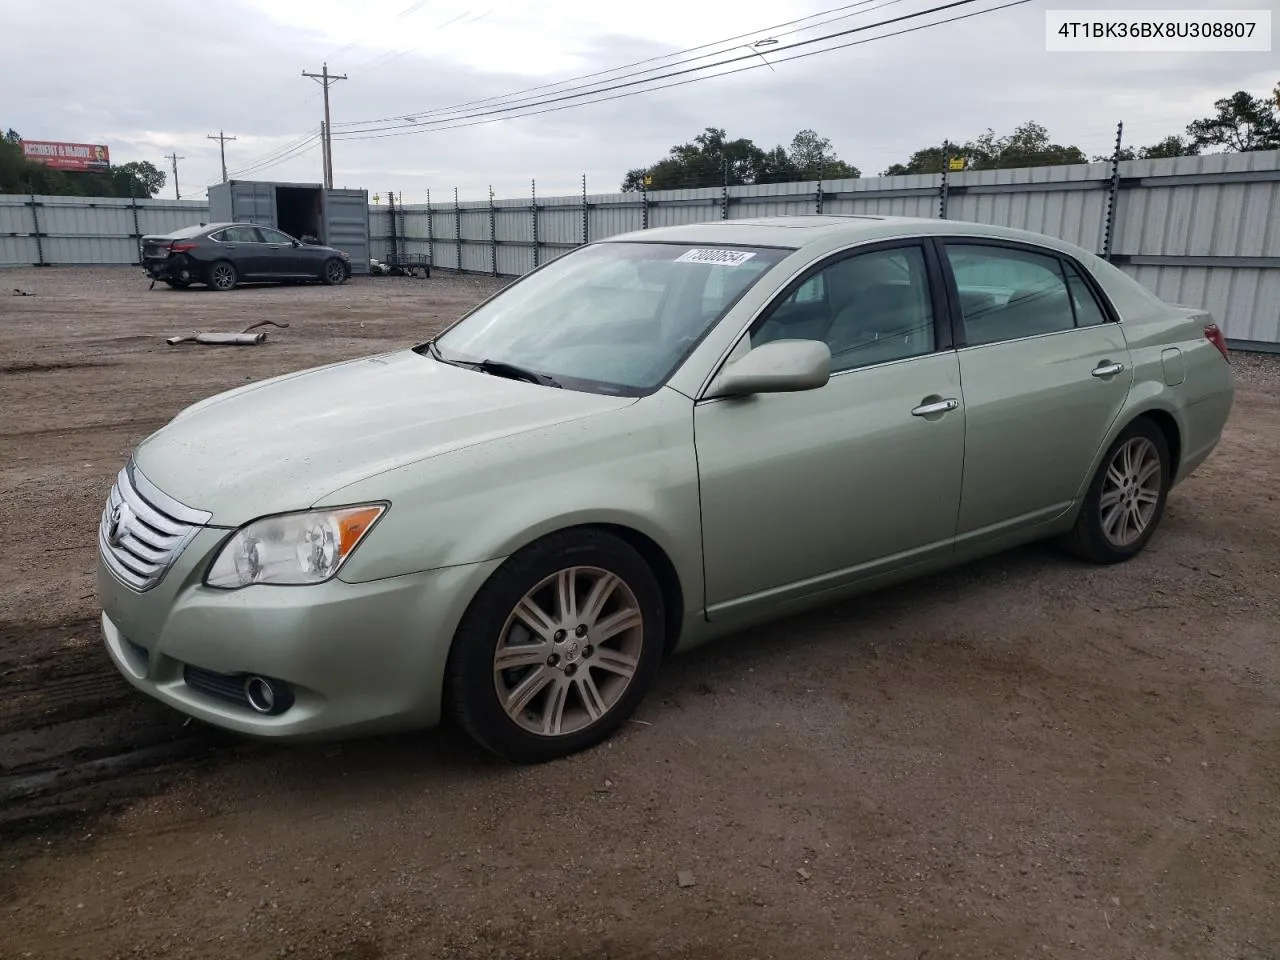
(327, 79)
(413, 114)
(486, 116)
(305, 146)
(222, 139)
(273, 155)
(674, 73)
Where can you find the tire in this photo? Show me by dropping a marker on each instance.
(334, 272)
(222, 276)
(1125, 502)
(575, 692)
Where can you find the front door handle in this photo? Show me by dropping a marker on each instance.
(940, 406)
(1107, 369)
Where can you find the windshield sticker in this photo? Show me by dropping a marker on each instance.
(720, 258)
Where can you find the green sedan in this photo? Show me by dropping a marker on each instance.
(646, 443)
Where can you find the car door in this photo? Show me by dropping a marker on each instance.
(803, 492)
(1046, 372)
(280, 256)
(240, 246)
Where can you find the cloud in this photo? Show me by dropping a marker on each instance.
(151, 84)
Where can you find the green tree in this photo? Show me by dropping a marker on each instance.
(711, 159)
(813, 158)
(1171, 146)
(1028, 146)
(1243, 123)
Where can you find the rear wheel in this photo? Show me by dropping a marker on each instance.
(558, 647)
(334, 272)
(223, 276)
(1126, 499)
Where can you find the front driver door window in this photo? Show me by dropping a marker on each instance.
(806, 491)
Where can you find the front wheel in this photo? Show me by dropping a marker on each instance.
(1126, 499)
(222, 276)
(558, 647)
(334, 272)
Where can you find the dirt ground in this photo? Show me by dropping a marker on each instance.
(1027, 757)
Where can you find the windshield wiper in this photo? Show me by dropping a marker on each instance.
(500, 368)
(497, 368)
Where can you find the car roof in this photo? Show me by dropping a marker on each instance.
(822, 232)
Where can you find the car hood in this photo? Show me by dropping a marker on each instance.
(283, 444)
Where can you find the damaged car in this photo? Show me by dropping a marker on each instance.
(223, 255)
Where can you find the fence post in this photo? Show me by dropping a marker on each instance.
(1113, 195)
(493, 235)
(724, 192)
(431, 240)
(457, 225)
(35, 227)
(533, 210)
(817, 199)
(394, 240)
(586, 229)
(943, 186)
(137, 229)
(644, 206)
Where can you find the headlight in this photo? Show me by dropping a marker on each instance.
(293, 548)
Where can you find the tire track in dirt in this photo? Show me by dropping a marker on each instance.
(75, 738)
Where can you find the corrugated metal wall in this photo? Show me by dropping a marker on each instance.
(1204, 231)
(85, 230)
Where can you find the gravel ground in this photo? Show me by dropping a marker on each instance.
(1023, 757)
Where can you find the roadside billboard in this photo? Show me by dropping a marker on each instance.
(67, 156)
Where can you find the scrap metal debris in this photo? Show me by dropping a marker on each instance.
(242, 339)
(22, 293)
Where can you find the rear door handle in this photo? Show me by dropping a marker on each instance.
(1108, 369)
(940, 406)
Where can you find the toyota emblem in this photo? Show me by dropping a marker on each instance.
(118, 525)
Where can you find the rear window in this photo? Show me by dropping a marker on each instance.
(187, 232)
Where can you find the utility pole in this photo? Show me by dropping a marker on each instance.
(324, 152)
(326, 79)
(177, 194)
(222, 139)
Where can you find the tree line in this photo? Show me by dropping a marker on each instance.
(137, 178)
(1241, 123)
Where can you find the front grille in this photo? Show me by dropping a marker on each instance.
(143, 531)
(224, 686)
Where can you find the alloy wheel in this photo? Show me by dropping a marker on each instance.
(334, 272)
(568, 651)
(1130, 491)
(223, 276)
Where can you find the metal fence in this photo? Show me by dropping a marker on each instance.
(35, 231)
(1204, 231)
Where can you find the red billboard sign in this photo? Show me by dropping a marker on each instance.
(67, 156)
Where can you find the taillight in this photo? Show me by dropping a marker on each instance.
(1214, 336)
(181, 247)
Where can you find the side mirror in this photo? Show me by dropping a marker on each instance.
(297, 243)
(781, 366)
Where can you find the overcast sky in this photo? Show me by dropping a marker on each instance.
(150, 78)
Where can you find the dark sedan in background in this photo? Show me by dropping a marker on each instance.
(222, 255)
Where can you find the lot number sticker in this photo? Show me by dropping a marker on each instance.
(720, 258)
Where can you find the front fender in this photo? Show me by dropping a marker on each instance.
(633, 467)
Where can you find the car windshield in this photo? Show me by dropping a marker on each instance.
(611, 317)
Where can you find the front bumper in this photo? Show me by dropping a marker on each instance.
(358, 657)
